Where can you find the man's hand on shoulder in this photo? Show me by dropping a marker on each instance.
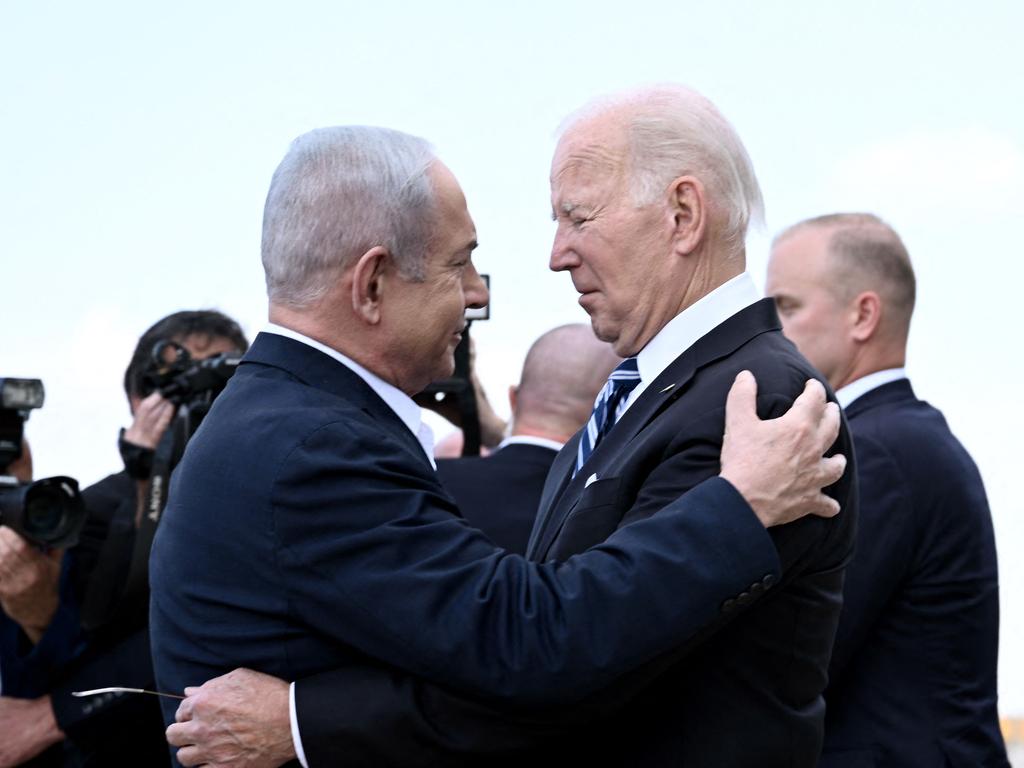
(238, 720)
(778, 464)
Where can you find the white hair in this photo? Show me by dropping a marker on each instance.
(674, 131)
(337, 193)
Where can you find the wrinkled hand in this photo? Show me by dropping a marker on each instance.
(29, 582)
(777, 464)
(28, 727)
(238, 720)
(152, 417)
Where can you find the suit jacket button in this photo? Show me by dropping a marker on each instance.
(756, 588)
(728, 605)
(743, 598)
(768, 580)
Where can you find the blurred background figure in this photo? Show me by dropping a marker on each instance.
(499, 493)
(89, 627)
(913, 672)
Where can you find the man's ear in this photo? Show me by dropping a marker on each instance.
(513, 398)
(868, 309)
(368, 278)
(689, 213)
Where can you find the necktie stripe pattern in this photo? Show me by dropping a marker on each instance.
(608, 406)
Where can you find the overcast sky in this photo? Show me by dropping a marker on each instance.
(139, 139)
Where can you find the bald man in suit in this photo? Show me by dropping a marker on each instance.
(913, 674)
(563, 372)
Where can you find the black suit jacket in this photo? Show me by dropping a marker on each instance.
(914, 668)
(499, 493)
(752, 695)
(745, 690)
(307, 531)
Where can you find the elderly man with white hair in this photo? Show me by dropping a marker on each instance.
(332, 546)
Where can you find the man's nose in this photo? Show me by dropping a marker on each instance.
(475, 289)
(562, 255)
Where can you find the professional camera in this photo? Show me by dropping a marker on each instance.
(185, 381)
(48, 512)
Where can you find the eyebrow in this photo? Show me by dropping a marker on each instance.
(567, 208)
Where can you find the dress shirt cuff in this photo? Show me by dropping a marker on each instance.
(296, 736)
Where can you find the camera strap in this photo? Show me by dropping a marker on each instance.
(111, 592)
(165, 458)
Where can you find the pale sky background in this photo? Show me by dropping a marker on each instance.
(139, 140)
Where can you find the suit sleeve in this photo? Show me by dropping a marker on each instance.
(885, 544)
(375, 716)
(380, 717)
(374, 571)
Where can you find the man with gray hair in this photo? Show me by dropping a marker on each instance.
(316, 535)
(913, 674)
(563, 372)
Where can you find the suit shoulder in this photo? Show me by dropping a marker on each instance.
(780, 370)
(911, 432)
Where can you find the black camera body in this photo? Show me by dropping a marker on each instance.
(47, 512)
(188, 382)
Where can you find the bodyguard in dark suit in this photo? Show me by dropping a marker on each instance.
(498, 493)
(563, 372)
(913, 674)
(306, 528)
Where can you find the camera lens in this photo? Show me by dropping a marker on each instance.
(45, 516)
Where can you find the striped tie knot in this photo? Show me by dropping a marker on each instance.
(608, 406)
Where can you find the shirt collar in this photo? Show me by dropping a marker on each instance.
(543, 442)
(682, 331)
(407, 411)
(860, 387)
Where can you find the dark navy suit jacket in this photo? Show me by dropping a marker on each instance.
(745, 691)
(751, 695)
(307, 531)
(914, 669)
(499, 493)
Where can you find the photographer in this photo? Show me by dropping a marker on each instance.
(169, 386)
(38, 633)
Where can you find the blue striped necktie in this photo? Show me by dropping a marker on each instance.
(607, 408)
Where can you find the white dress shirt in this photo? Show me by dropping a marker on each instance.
(406, 410)
(683, 330)
(543, 442)
(863, 385)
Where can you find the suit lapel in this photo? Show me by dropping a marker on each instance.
(554, 487)
(669, 386)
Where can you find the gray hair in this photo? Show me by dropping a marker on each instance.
(337, 193)
(674, 131)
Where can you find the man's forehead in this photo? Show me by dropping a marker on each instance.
(597, 148)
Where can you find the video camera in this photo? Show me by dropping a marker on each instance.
(47, 512)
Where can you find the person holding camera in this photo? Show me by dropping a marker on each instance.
(178, 366)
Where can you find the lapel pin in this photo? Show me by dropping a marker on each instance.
(666, 389)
